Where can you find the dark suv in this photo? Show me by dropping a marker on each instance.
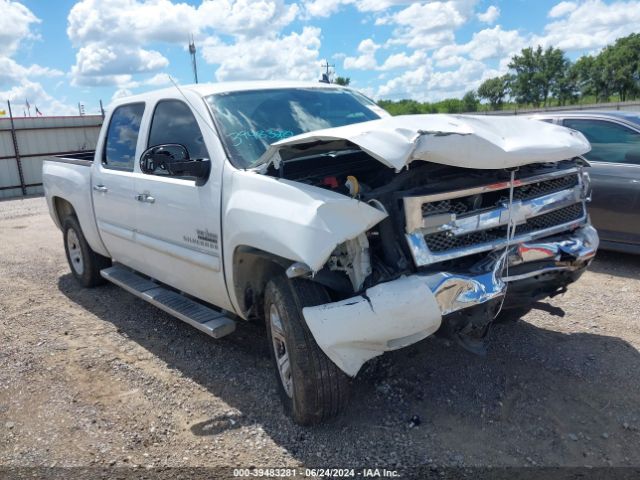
(615, 172)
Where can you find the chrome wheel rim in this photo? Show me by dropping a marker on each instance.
(280, 350)
(75, 253)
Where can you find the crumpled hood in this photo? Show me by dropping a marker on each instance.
(469, 141)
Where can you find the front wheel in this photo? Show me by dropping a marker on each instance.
(85, 264)
(312, 387)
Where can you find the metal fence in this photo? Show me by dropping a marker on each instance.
(26, 141)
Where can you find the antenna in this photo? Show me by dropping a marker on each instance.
(326, 78)
(192, 52)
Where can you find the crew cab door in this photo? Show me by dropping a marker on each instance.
(615, 175)
(178, 219)
(112, 184)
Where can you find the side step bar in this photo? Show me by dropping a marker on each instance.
(210, 321)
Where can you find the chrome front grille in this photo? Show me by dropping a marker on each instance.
(448, 225)
(443, 241)
(543, 187)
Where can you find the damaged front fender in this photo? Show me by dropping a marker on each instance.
(291, 220)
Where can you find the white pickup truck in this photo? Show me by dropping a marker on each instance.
(349, 232)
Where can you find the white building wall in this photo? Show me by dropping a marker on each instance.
(39, 137)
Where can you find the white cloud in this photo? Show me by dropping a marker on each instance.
(121, 93)
(490, 16)
(98, 63)
(411, 84)
(113, 36)
(12, 72)
(326, 8)
(466, 77)
(293, 56)
(143, 21)
(379, 5)
(38, 97)
(426, 84)
(486, 44)
(402, 60)
(562, 8)
(428, 25)
(367, 58)
(448, 61)
(15, 25)
(158, 80)
(123, 43)
(322, 8)
(591, 25)
(16, 80)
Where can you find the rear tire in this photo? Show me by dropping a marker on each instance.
(85, 264)
(313, 389)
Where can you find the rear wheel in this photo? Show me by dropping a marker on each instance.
(85, 264)
(312, 387)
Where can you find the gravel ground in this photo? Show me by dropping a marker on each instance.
(98, 377)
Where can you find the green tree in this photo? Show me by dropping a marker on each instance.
(345, 81)
(566, 88)
(526, 83)
(470, 102)
(494, 90)
(537, 72)
(584, 70)
(451, 105)
(555, 76)
(621, 62)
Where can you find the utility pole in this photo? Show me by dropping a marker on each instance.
(325, 76)
(192, 52)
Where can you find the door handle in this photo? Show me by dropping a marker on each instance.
(100, 188)
(145, 197)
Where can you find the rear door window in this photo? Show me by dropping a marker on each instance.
(610, 142)
(122, 137)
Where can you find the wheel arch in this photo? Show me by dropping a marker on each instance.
(62, 209)
(252, 268)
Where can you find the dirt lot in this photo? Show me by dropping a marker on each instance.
(98, 377)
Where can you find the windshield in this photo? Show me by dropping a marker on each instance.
(250, 121)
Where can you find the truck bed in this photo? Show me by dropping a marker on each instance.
(84, 158)
(66, 177)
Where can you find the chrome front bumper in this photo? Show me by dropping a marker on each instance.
(401, 312)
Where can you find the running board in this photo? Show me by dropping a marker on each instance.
(210, 321)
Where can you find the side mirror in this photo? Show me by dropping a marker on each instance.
(173, 159)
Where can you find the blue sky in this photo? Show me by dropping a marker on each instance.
(58, 53)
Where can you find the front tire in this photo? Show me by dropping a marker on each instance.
(85, 264)
(313, 389)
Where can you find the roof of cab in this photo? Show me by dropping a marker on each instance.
(205, 89)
